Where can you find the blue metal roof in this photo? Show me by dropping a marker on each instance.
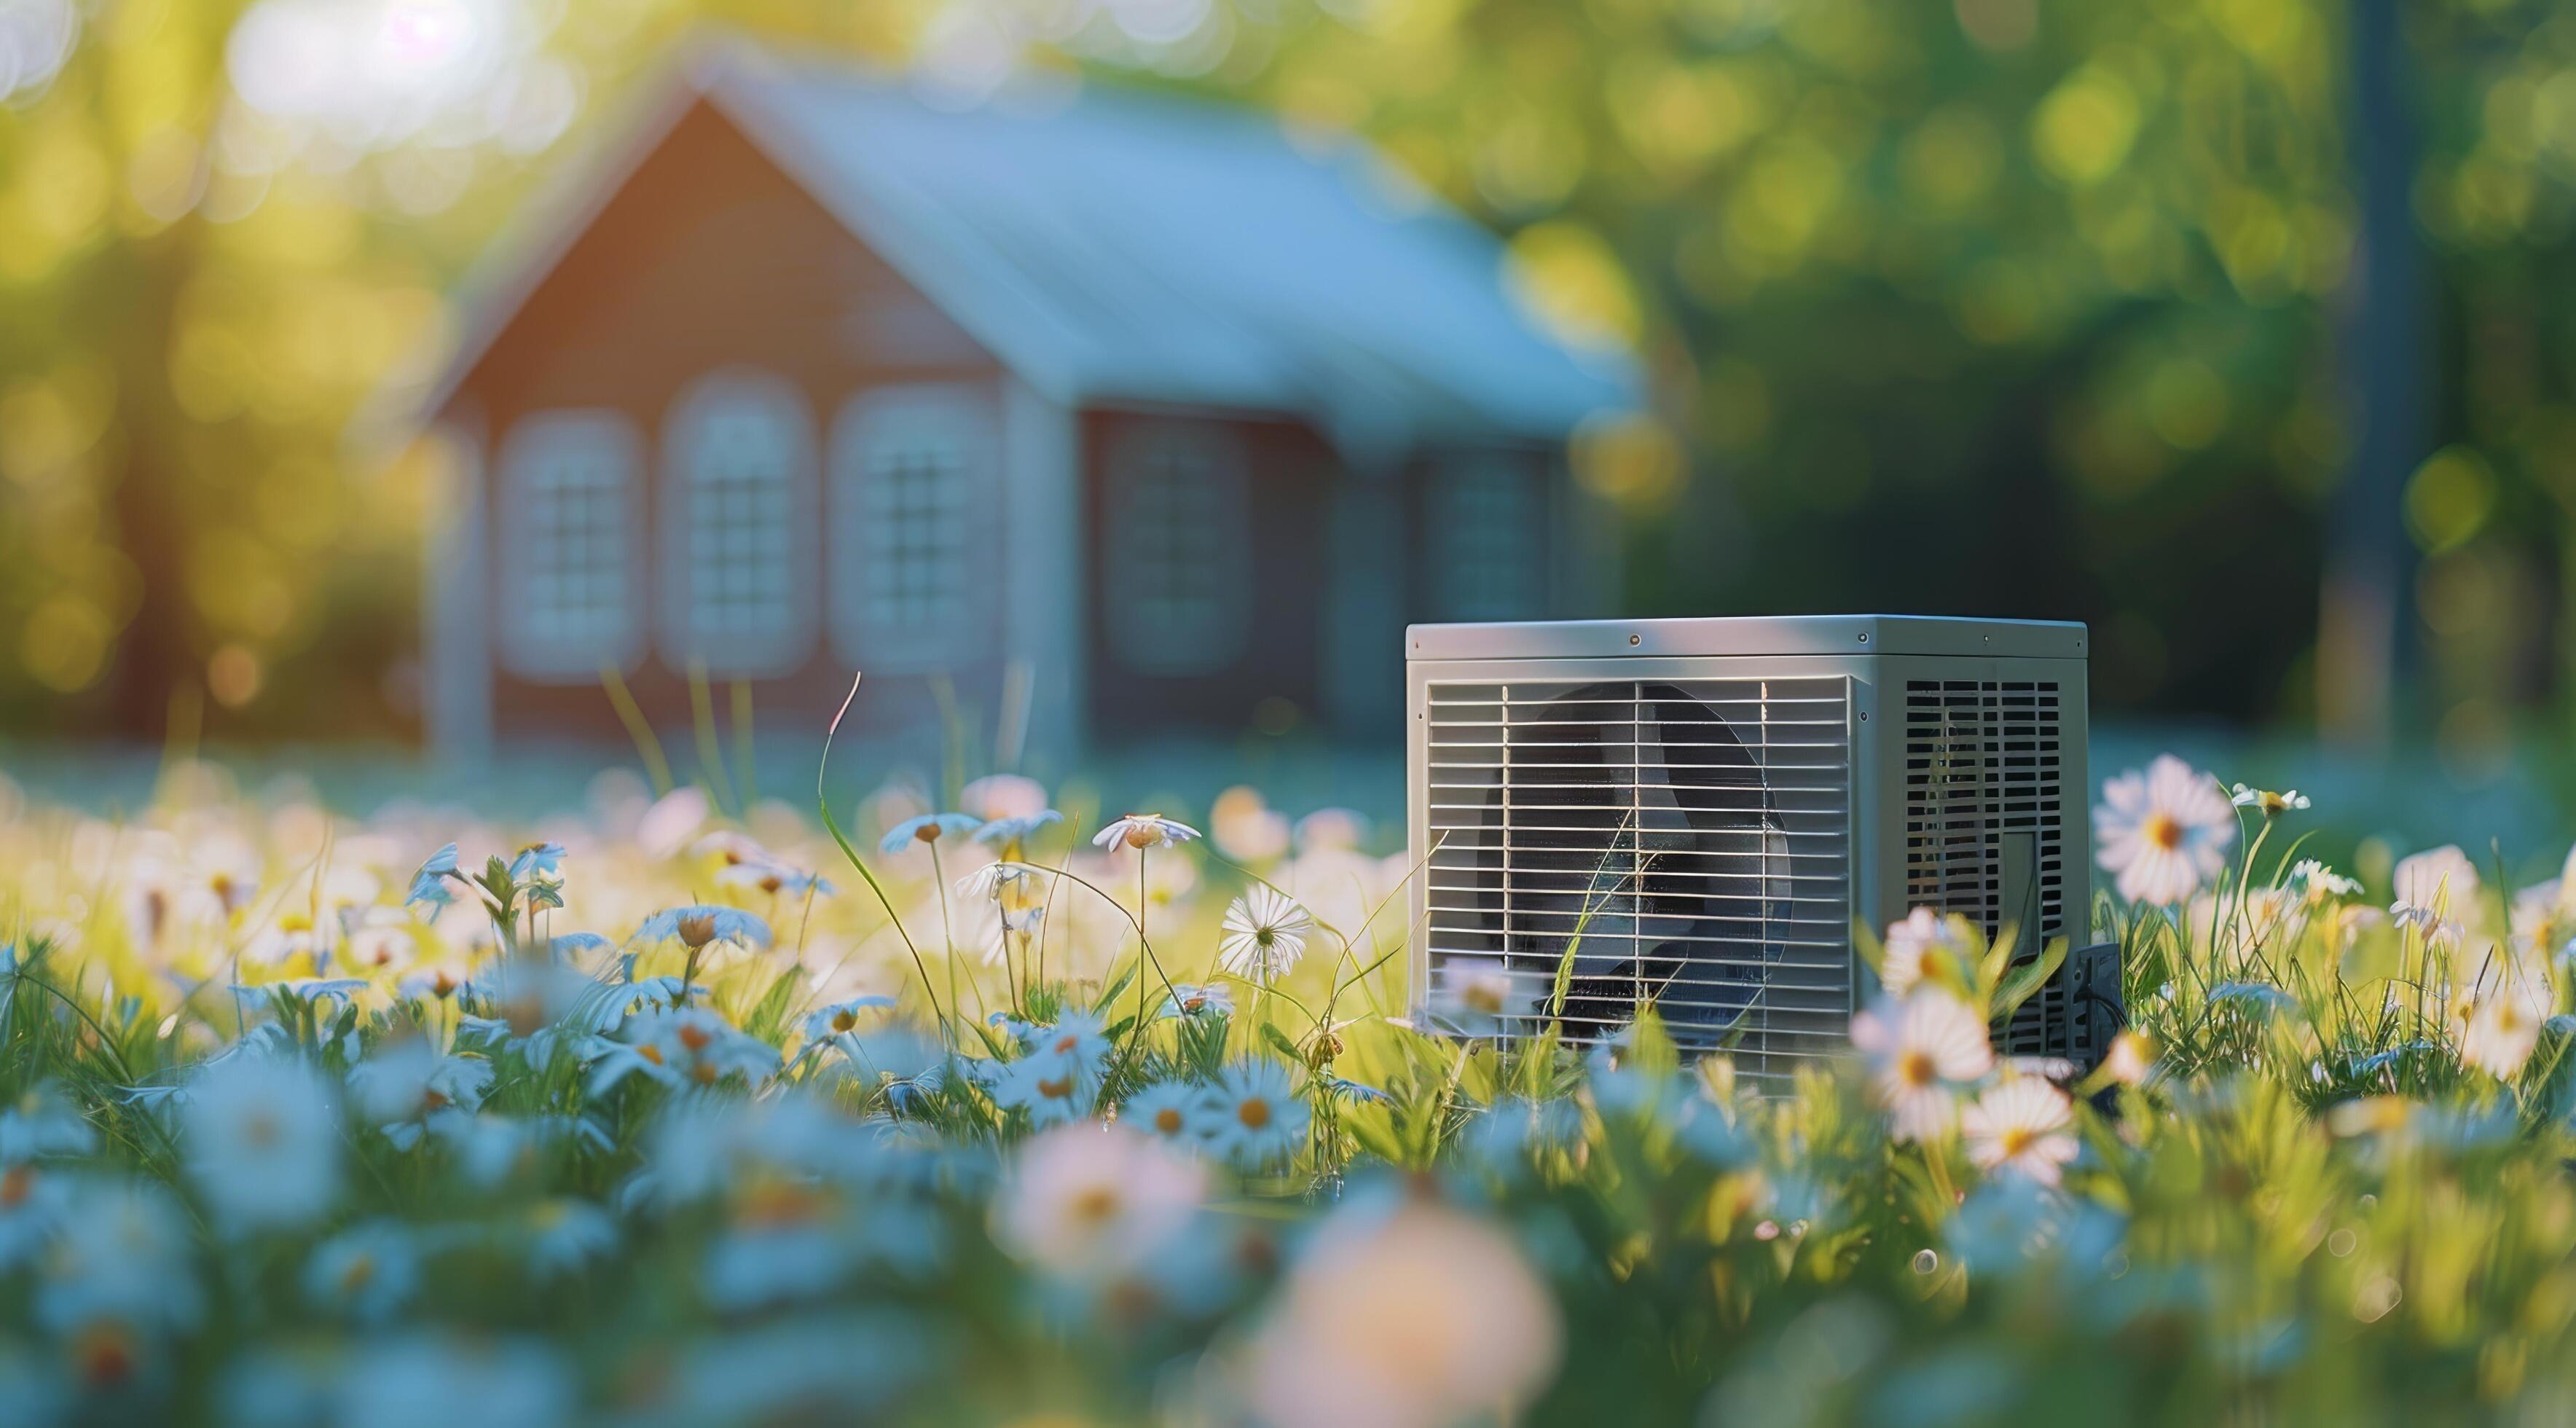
(1115, 246)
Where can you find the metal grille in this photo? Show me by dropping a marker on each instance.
(1682, 842)
(1985, 832)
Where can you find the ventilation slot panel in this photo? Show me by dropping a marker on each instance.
(1682, 842)
(1985, 832)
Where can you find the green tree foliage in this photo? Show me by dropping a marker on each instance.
(2013, 306)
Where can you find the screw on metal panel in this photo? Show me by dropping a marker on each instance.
(1864, 637)
(1632, 639)
(1864, 716)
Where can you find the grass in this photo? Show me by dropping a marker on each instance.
(276, 1147)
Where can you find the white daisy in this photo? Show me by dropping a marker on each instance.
(2497, 1021)
(776, 878)
(1196, 999)
(2316, 884)
(701, 923)
(993, 879)
(2272, 804)
(1928, 946)
(1052, 1090)
(1265, 934)
(1174, 1110)
(823, 1023)
(1254, 1117)
(928, 828)
(1920, 1051)
(1143, 830)
(2162, 831)
(406, 1082)
(2021, 1125)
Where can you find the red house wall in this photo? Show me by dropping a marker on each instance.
(710, 256)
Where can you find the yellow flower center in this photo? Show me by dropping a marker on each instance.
(694, 1037)
(927, 833)
(16, 1184)
(698, 930)
(1254, 1113)
(1168, 1121)
(2164, 831)
(1141, 836)
(361, 1269)
(1060, 1090)
(2015, 1140)
(844, 1019)
(1915, 1069)
(1094, 1204)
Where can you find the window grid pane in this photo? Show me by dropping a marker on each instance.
(575, 537)
(913, 562)
(1483, 523)
(741, 475)
(1182, 540)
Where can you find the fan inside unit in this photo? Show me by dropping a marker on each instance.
(1632, 829)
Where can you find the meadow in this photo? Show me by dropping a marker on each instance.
(986, 1111)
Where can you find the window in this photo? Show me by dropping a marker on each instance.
(1177, 578)
(912, 477)
(569, 545)
(738, 527)
(1481, 528)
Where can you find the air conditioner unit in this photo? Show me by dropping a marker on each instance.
(1699, 809)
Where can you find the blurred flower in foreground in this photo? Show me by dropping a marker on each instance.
(1475, 996)
(366, 1273)
(1420, 1317)
(2162, 831)
(2497, 1023)
(1927, 946)
(1092, 1202)
(2437, 894)
(1246, 829)
(1920, 1050)
(263, 1142)
(2131, 1058)
(1003, 797)
(2021, 1125)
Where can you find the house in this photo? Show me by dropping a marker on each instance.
(1140, 411)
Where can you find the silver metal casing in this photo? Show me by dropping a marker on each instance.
(1697, 810)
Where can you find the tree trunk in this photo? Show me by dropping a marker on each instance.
(2367, 606)
(158, 649)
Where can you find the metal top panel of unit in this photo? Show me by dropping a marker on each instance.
(1748, 635)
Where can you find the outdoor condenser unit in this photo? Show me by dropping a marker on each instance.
(1701, 808)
